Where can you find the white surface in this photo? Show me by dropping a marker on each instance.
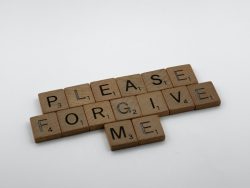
(45, 45)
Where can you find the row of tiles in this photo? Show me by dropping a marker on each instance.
(135, 132)
(93, 116)
(114, 88)
(120, 134)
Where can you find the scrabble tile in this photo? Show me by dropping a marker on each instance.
(52, 101)
(182, 75)
(79, 95)
(157, 80)
(125, 108)
(45, 127)
(178, 100)
(121, 135)
(153, 103)
(72, 121)
(98, 114)
(131, 85)
(204, 95)
(148, 129)
(105, 89)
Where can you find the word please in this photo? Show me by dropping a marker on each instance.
(128, 108)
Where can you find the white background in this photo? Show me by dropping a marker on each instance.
(49, 44)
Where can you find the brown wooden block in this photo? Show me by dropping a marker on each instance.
(98, 114)
(178, 100)
(204, 95)
(153, 103)
(182, 75)
(105, 89)
(157, 80)
(45, 127)
(148, 129)
(131, 85)
(52, 101)
(126, 108)
(121, 134)
(79, 95)
(72, 121)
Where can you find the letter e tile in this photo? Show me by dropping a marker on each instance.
(148, 129)
(105, 90)
(182, 75)
(204, 95)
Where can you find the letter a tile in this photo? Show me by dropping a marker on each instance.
(153, 104)
(131, 85)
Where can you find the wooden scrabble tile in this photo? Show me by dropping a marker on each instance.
(98, 114)
(204, 95)
(131, 85)
(182, 75)
(52, 101)
(120, 134)
(105, 90)
(72, 121)
(178, 100)
(79, 95)
(125, 108)
(45, 127)
(148, 129)
(153, 103)
(157, 80)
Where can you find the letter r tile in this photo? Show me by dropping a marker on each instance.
(104, 90)
(98, 114)
(121, 134)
